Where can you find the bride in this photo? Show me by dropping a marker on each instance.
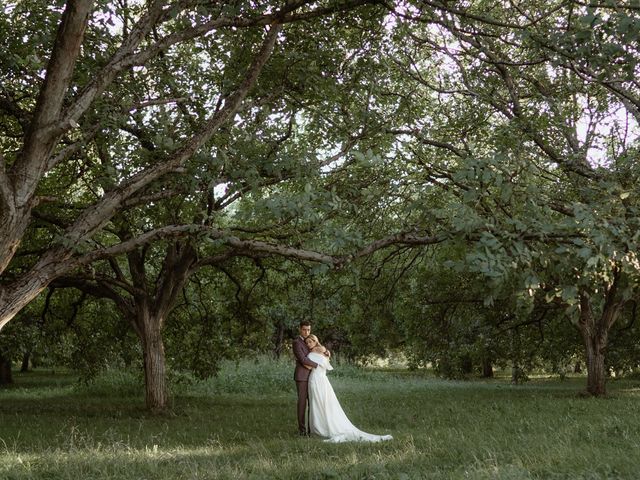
(326, 417)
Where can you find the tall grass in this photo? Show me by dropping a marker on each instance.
(241, 424)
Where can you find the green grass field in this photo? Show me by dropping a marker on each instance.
(242, 425)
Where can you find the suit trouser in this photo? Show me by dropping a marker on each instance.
(303, 393)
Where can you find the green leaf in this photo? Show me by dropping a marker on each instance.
(319, 269)
(359, 156)
(570, 294)
(585, 252)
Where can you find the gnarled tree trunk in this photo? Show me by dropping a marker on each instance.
(595, 343)
(155, 372)
(595, 334)
(152, 309)
(596, 372)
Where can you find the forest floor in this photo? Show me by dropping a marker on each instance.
(241, 424)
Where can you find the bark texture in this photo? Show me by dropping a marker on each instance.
(6, 377)
(155, 374)
(595, 335)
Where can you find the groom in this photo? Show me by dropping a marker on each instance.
(301, 374)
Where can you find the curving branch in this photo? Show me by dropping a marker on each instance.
(50, 122)
(406, 238)
(97, 287)
(96, 216)
(417, 134)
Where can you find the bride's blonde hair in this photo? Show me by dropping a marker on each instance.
(315, 339)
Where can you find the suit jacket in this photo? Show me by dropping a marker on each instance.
(300, 350)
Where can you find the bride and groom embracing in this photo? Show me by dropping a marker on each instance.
(326, 417)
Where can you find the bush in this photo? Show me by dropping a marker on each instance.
(113, 383)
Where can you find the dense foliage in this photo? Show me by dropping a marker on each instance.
(454, 182)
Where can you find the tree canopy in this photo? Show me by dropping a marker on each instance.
(433, 176)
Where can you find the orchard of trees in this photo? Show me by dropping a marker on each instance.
(182, 181)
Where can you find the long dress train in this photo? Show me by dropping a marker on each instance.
(326, 417)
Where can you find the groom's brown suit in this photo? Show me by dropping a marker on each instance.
(301, 376)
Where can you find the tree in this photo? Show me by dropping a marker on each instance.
(535, 147)
(144, 124)
(80, 89)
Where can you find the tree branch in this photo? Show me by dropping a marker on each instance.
(407, 238)
(44, 130)
(427, 141)
(96, 216)
(100, 289)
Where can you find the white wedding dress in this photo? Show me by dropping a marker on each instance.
(326, 417)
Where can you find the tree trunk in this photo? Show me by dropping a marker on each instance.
(5, 370)
(40, 140)
(155, 375)
(595, 333)
(14, 222)
(24, 367)
(487, 368)
(596, 373)
(595, 342)
(518, 375)
(278, 339)
(466, 365)
(16, 295)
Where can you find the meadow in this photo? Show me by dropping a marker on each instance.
(241, 424)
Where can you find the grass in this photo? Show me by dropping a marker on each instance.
(242, 425)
